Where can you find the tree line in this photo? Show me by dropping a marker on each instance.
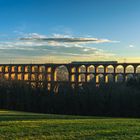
(112, 99)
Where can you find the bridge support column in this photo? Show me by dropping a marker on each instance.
(135, 69)
(76, 77)
(52, 78)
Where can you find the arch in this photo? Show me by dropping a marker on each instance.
(81, 78)
(100, 69)
(1, 75)
(129, 69)
(13, 76)
(40, 84)
(33, 77)
(73, 70)
(19, 77)
(7, 69)
(110, 69)
(100, 78)
(119, 78)
(49, 69)
(91, 69)
(61, 73)
(119, 69)
(40, 77)
(82, 69)
(19, 68)
(27, 68)
(6, 76)
(33, 84)
(109, 78)
(1, 68)
(48, 77)
(13, 69)
(26, 77)
(138, 69)
(73, 79)
(90, 78)
(49, 86)
(129, 76)
(34, 68)
(41, 68)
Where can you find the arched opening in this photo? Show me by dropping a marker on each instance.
(91, 78)
(19, 77)
(40, 84)
(129, 76)
(129, 69)
(41, 68)
(110, 69)
(49, 69)
(27, 68)
(61, 74)
(19, 68)
(26, 77)
(82, 69)
(119, 78)
(72, 77)
(81, 78)
(34, 68)
(48, 77)
(49, 86)
(1, 68)
(100, 69)
(13, 76)
(138, 69)
(91, 69)
(7, 69)
(119, 69)
(40, 77)
(73, 70)
(33, 77)
(6, 76)
(1, 76)
(109, 78)
(100, 78)
(13, 69)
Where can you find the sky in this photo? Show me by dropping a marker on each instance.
(42, 31)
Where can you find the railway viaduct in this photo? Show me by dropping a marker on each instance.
(75, 72)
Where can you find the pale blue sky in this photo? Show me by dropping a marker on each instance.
(114, 23)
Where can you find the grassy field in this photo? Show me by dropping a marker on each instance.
(20, 125)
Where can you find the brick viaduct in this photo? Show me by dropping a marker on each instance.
(76, 72)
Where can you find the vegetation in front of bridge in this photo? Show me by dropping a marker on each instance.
(25, 126)
(121, 99)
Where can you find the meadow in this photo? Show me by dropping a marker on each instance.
(24, 126)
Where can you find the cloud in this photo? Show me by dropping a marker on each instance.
(65, 39)
(35, 35)
(131, 46)
(59, 46)
(38, 48)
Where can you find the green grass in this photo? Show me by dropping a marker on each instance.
(20, 125)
